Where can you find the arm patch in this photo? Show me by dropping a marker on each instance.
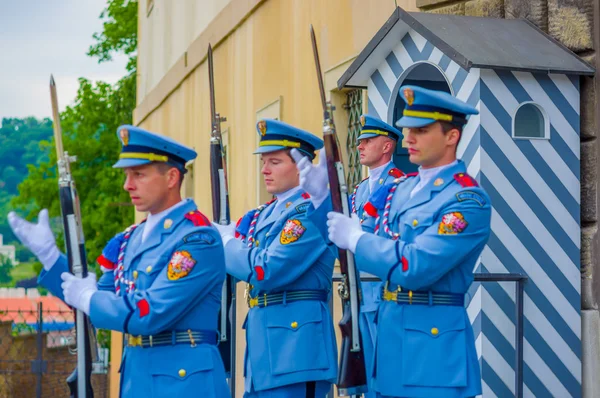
(291, 232)
(470, 195)
(181, 265)
(452, 224)
(301, 208)
(201, 237)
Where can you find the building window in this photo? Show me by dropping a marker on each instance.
(353, 106)
(531, 122)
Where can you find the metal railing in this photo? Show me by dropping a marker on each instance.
(519, 280)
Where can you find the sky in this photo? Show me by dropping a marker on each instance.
(43, 37)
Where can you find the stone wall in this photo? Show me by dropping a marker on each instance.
(571, 22)
(17, 378)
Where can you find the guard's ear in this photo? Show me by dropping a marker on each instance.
(173, 177)
(388, 145)
(453, 136)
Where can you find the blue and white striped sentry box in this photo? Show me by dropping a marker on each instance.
(524, 149)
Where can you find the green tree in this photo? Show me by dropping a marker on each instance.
(5, 268)
(89, 132)
(119, 33)
(20, 140)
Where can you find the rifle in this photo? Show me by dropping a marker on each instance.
(79, 381)
(220, 208)
(352, 378)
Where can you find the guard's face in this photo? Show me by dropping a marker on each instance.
(429, 147)
(372, 151)
(279, 171)
(148, 187)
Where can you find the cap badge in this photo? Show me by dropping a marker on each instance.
(124, 134)
(409, 94)
(362, 120)
(262, 127)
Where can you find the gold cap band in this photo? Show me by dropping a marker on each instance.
(378, 132)
(153, 157)
(285, 143)
(428, 115)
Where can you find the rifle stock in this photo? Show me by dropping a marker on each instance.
(79, 386)
(220, 208)
(352, 378)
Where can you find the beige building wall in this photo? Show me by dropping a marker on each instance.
(166, 28)
(264, 67)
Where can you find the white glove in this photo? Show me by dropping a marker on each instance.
(227, 232)
(313, 179)
(78, 292)
(36, 237)
(344, 231)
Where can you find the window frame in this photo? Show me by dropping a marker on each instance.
(544, 116)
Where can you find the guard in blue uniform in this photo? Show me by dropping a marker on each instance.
(376, 144)
(437, 225)
(162, 278)
(284, 259)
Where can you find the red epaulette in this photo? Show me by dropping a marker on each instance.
(305, 195)
(414, 174)
(465, 180)
(198, 218)
(395, 172)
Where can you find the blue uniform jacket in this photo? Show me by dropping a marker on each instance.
(362, 194)
(171, 282)
(292, 342)
(371, 291)
(428, 350)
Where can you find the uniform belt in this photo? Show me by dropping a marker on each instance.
(192, 337)
(423, 298)
(265, 300)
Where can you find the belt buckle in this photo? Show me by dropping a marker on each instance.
(134, 341)
(388, 295)
(252, 301)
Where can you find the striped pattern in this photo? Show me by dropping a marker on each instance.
(534, 186)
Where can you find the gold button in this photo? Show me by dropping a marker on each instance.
(415, 223)
(294, 325)
(434, 331)
(135, 274)
(148, 269)
(182, 372)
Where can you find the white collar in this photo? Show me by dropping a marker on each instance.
(375, 173)
(153, 219)
(427, 175)
(282, 197)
